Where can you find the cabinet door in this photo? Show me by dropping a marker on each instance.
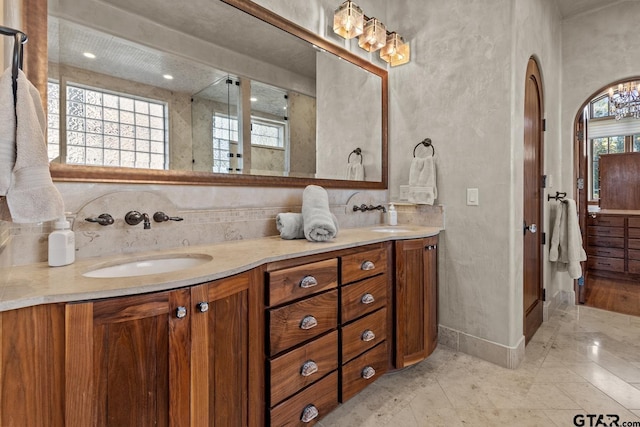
(127, 361)
(224, 350)
(416, 300)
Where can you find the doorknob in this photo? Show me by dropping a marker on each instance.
(531, 227)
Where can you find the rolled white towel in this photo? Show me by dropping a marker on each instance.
(317, 219)
(290, 225)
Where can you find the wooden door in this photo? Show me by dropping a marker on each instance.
(581, 163)
(532, 242)
(416, 300)
(227, 354)
(127, 361)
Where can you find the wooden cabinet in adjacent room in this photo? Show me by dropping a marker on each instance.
(416, 300)
(613, 245)
(173, 358)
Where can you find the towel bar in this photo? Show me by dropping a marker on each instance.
(427, 143)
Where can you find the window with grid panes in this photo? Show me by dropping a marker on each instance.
(112, 129)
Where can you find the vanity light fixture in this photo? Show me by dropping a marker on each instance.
(625, 101)
(374, 35)
(348, 20)
(396, 51)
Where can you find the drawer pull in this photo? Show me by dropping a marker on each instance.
(367, 299)
(368, 335)
(432, 247)
(309, 413)
(368, 372)
(367, 265)
(309, 368)
(308, 322)
(181, 312)
(308, 282)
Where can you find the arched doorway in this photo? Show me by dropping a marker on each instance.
(532, 196)
(610, 282)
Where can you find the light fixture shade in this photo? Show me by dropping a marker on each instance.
(374, 35)
(348, 20)
(396, 51)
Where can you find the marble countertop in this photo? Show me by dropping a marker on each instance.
(34, 284)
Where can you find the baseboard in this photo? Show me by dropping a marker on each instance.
(499, 354)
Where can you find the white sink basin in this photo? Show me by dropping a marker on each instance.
(391, 229)
(152, 265)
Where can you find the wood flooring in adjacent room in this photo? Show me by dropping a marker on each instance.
(621, 296)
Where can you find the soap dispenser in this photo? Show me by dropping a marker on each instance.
(62, 244)
(392, 215)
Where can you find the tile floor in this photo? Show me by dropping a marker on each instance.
(582, 361)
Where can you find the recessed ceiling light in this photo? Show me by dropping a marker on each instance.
(254, 99)
(168, 76)
(89, 55)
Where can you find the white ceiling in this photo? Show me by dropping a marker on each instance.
(569, 8)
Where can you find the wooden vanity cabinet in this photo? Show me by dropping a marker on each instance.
(416, 302)
(174, 358)
(613, 245)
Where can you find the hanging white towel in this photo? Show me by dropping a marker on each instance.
(355, 171)
(7, 131)
(422, 181)
(566, 240)
(31, 196)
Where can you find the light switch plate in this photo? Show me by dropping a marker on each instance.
(472, 197)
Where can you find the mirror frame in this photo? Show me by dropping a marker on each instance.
(76, 173)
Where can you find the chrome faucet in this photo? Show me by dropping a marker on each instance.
(135, 218)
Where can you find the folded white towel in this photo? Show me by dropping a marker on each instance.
(7, 131)
(317, 219)
(31, 197)
(422, 181)
(355, 171)
(566, 240)
(291, 225)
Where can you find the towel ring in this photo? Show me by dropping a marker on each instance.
(357, 152)
(427, 143)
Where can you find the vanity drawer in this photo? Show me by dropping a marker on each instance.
(363, 297)
(363, 334)
(364, 370)
(634, 233)
(609, 264)
(634, 243)
(363, 264)
(323, 396)
(287, 371)
(608, 221)
(634, 267)
(605, 252)
(293, 283)
(605, 231)
(634, 222)
(295, 323)
(634, 254)
(608, 242)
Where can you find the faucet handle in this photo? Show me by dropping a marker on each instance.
(102, 219)
(133, 218)
(162, 217)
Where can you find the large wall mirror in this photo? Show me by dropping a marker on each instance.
(208, 92)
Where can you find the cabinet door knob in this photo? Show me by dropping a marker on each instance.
(367, 299)
(309, 413)
(368, 372)
(181, 312)
(308, 322)
(367, 265)
(368, 335)
(431, 247)
(308, 282)
(203, 306)
(309, 368)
